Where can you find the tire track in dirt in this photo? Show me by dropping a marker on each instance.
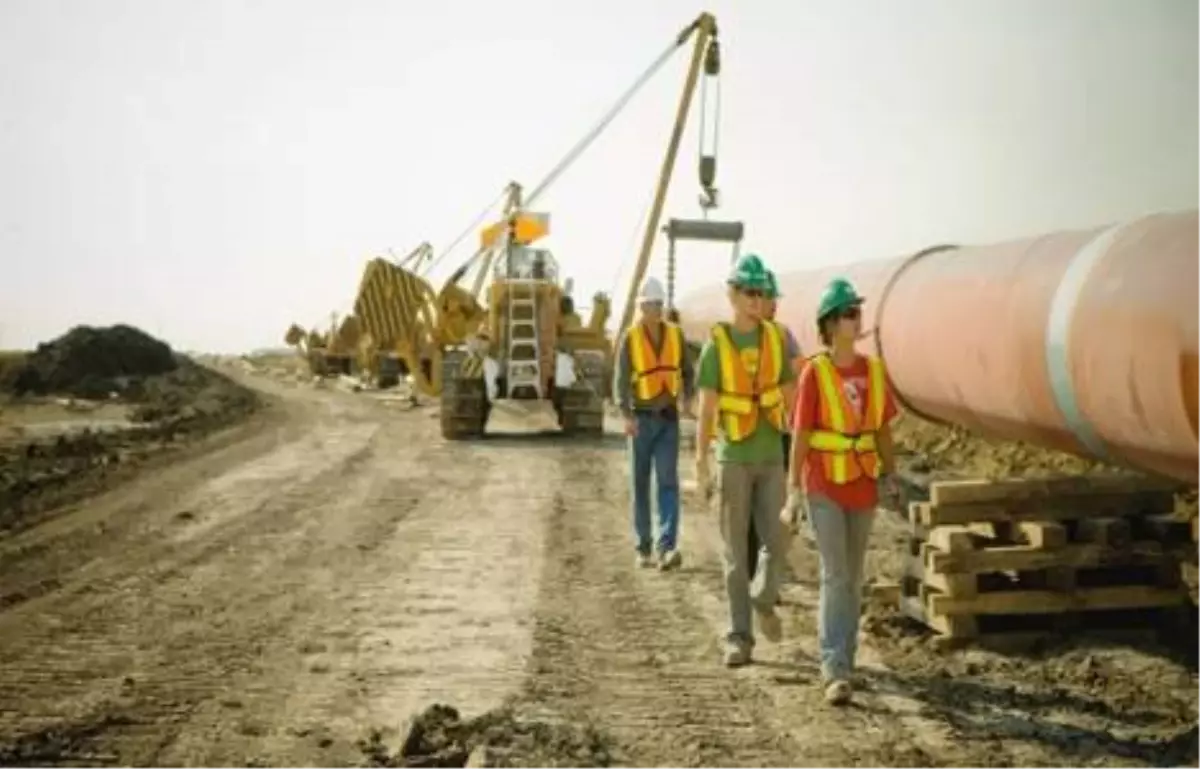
(441, 611)
(374, 579)
(151, 630)
(627, 650)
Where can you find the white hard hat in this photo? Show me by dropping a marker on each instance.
(652, 291)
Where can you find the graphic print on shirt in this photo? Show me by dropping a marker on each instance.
(750, 360)
(856, 394)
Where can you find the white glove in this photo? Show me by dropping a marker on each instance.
(794, 510)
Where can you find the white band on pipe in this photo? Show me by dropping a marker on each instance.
(1058, 334)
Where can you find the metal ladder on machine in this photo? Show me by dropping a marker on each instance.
(524, 367)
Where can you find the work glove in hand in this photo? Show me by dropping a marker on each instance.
(794, 511)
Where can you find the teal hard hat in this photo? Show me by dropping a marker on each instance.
(750, 272)
(772, 285)
(838, 295)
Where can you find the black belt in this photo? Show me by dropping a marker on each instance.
(668, 413)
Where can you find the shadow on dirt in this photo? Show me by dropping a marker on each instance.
(1087, 699)
(63, 744)
(979, 710)
(551, 440)
(439, 737)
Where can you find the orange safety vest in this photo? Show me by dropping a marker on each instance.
(656, 372)
(841, 434)
(742, 399)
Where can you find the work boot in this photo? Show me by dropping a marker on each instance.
(671, 559)
(769, 624)
(644, 561)
(736, 654)
(838, 693)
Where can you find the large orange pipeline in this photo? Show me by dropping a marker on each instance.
(1079, 341)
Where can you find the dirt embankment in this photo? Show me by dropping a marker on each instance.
(84, 409)
(955, 451)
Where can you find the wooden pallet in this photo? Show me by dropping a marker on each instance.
(1038, 556)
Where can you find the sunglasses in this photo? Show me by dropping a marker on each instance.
(752, 293)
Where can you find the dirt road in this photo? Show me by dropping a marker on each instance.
(333, 567)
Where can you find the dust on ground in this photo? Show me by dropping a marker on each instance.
(303, 594)
(84, 410)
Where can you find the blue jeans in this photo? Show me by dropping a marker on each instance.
(655, 447)
(842, 538)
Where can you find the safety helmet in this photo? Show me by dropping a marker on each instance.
(749, 272)
(652, 291)
(772, 285)
(838, 295)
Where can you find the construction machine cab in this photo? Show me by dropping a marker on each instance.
(526, 263)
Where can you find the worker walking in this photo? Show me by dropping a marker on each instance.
(842, 459)
(745, 383)
(796, 363)
(653, 371)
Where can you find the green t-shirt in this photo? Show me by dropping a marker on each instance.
(765, 444)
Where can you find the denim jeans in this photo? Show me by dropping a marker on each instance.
(751, 492)
(842, 538)
(655, 448)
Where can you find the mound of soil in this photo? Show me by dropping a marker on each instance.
(957, 451)
(173, 399)
(439, 737)
(89, 362)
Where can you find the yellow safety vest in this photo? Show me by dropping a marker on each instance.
(655, 372)
(742, 398)
(846, 444)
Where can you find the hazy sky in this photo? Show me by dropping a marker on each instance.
(213, 170)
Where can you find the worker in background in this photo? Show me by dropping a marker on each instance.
(745, 383)
(653, 373)
(842, 457)
(796, 362)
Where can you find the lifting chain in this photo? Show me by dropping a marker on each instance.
(670, 274)
(708, 160)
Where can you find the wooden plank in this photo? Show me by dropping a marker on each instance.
(1050, 602)
(1113, 532)
(1161, 527)
(984, 490)
(1046, 535)
(957, 626)
(959, 585)
(1027, 558)
(951, 539)
(1050, 509)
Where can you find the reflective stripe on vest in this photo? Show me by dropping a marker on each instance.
(847, 446)
(741, 399)
(656, 372)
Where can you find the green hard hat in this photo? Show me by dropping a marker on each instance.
(772, 286)
(838, 295)
(750, 272)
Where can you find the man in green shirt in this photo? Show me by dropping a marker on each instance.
(745, 382)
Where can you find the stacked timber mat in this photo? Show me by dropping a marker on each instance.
(1015, 560)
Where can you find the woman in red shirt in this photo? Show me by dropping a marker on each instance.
(841, 456)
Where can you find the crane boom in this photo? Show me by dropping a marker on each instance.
(705, 28)
(705, 31)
